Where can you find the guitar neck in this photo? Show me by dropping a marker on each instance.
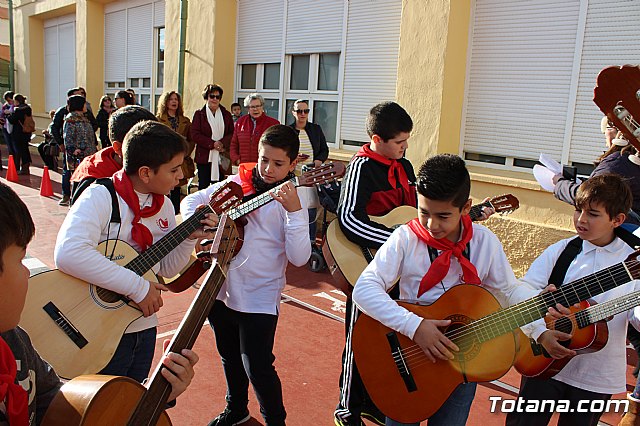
(523, 313)
(145, 261)
(606, 309)
(154, 399)
(257, 201)
(476, 210)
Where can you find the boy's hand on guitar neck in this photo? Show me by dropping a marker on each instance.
(152, 302)
(209, 223)
(434, 344)
(179, 369)
(288, 197)
(551, 339)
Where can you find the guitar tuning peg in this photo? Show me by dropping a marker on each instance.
(635, 159)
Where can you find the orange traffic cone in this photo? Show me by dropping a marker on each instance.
(12, 174)
(45, 186)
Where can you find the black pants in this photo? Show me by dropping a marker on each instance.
(245, 343)
(21, 146)
(174, 196)
(354, 398)
(550, 389)
(204, 175)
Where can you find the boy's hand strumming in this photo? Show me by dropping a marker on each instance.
(434, 344)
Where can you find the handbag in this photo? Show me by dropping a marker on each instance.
(188, 168)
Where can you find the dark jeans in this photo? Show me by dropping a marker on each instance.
(454, 411)
(66, 176)
(133, 356)
(21, 146)
(245, 344)
(11, 147)
(204, 175)
(550, 389)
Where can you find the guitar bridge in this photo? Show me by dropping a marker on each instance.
(538, 349)
(65, 325)
(401, 364)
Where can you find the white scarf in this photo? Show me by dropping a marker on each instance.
(216, 122)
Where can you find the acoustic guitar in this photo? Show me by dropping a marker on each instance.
(589, 331)
(407, 387)
(96, 400)
(75, 325)
(346, 260)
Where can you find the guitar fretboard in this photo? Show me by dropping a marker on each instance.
(476, 210)
(257, 201)
(145, 261)
(606, 309)
(506, 320)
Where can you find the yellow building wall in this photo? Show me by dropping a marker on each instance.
(90, 50)
(210, 47)
(432, 69)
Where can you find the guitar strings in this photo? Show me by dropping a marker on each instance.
(464, 334)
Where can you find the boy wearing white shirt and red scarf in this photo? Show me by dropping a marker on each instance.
(245, 314)
(465, 253)
(152, 155)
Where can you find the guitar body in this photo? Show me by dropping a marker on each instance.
(96, 400)
(533, 361)
(94, 319)
(345, 259)
(476, 362)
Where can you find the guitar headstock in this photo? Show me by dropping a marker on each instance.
(224, 242)
(505, 204)
(225, 197)
(617, 94)
(633, 265)
(322, 174)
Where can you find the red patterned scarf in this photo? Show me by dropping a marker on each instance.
(440, 266)
(14, 396)
(394, 165)
(140, 233)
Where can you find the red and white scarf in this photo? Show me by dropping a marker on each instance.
(440, 266)
(139, 233)
(394, 165)
(13, 395)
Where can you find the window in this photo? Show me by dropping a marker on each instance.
(248, 76)
(271, 76)
(299, 73)
(160, 59)
(328, 71)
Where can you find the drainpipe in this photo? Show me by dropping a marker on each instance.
(184, 7)
(11, 54)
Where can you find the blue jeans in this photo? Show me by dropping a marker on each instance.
(133, 356)
(66, 176)
(454, 412)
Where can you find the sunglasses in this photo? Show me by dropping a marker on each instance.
(212, 96)
(301, 111)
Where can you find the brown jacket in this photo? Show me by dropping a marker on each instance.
(201, 134)
(184, 128)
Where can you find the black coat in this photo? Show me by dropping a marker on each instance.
(316, 137)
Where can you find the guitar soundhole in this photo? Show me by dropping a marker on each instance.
(107, 296)
(469, 346)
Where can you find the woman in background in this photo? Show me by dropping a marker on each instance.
(171, 113)
(106, 108)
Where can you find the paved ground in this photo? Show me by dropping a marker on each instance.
(308, 342)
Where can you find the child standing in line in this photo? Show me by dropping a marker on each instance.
(601, 205)
(152, 155)
(245, 316)
(444, 243)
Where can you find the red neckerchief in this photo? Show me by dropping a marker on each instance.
(140, 233)
(440, 267)
(245, 171)
(99, 165)
(14, 396)
(394, 165)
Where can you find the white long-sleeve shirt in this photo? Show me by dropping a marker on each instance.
(87, 224)
(602, 371)
(405, 256)
(272, 236)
